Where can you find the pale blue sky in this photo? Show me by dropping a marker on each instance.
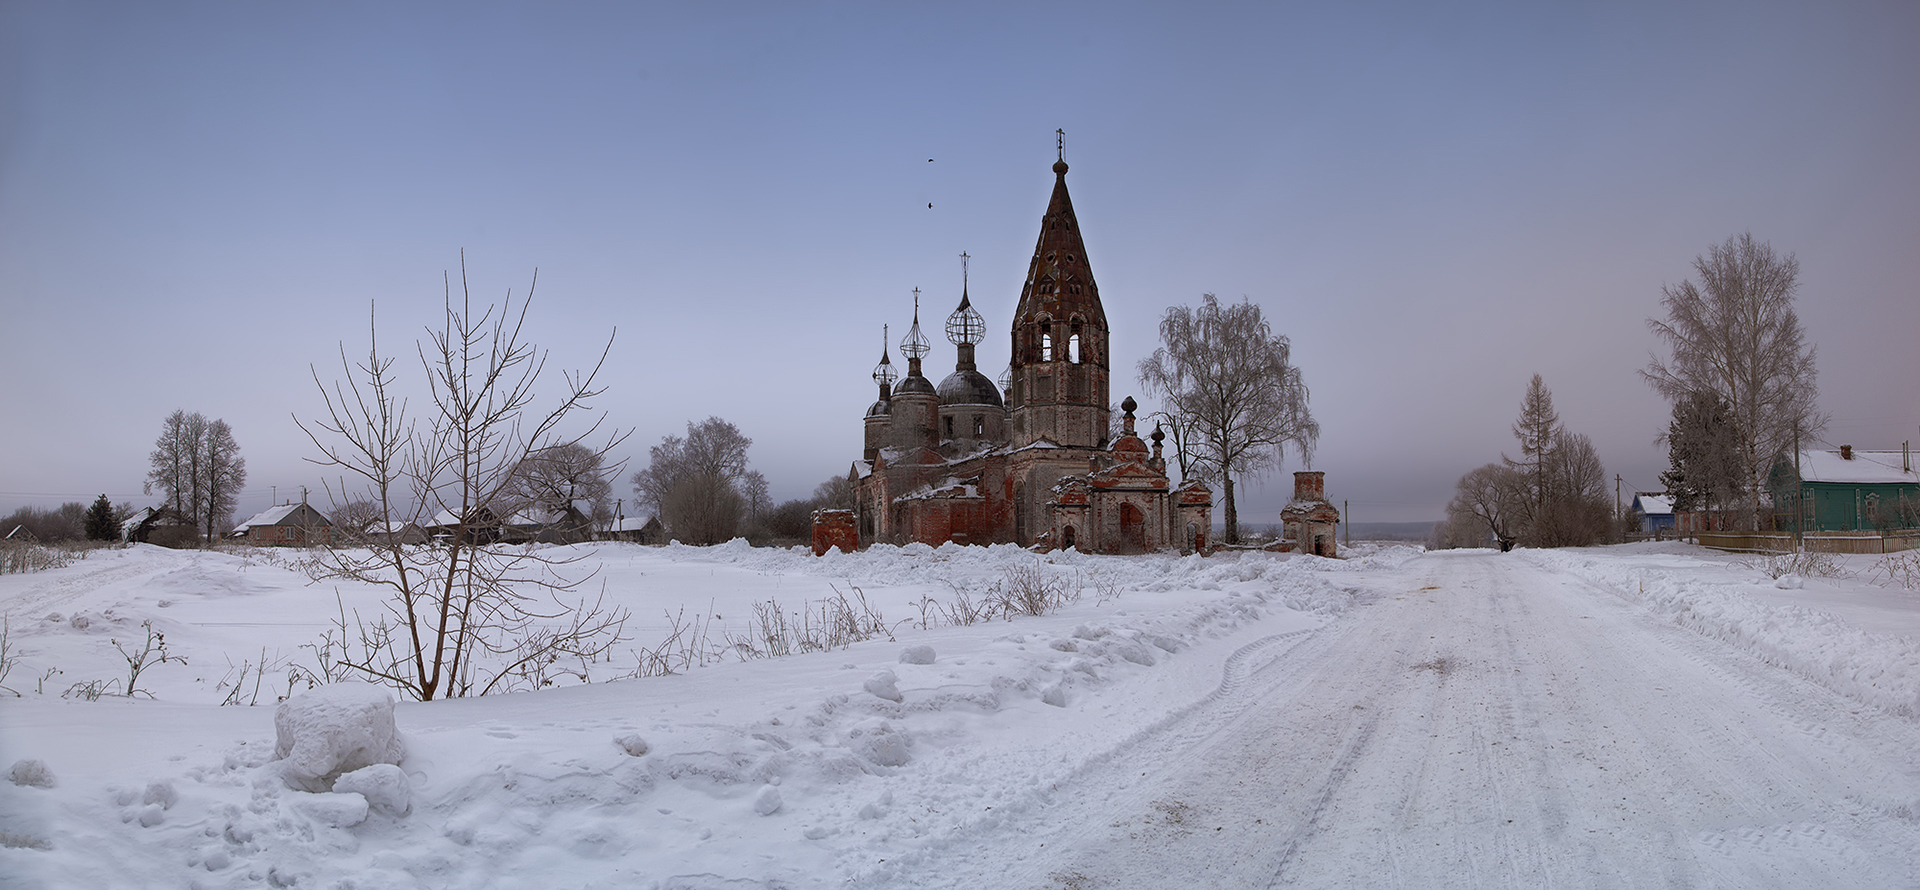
(197, 202)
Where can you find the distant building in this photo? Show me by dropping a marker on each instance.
(378, 532)
(162, 527)
(639, 530)
(1652, 513)
(1033, 460)
(287, 525)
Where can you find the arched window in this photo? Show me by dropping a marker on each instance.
(1046, 344)
(1073, 348)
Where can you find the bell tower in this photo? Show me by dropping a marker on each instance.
(1058, 377)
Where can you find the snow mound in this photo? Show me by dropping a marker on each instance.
(31, 773)
(333, 730)
(917, 655)
(884, 685)
(384, 786)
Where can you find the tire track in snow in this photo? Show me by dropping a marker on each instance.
(1066, 811)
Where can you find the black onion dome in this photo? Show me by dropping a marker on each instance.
(969, 388)
(913, 383)
(882, 408)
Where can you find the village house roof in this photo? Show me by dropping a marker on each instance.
(1653, 504)
(1866, 467)
(277, 516)
(632, 523)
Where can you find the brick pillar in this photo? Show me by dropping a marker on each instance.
(834, 528)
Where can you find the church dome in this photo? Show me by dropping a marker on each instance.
(915, 384)
(882, 408)
(969, 388)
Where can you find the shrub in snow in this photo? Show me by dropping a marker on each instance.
(333, 730)
(883, 685)
(634, 745)
(31, 773)
(384, 785)
(767, 802)
(917, 655)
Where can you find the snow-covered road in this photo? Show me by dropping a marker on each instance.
(1479, 721)
(1644, 715)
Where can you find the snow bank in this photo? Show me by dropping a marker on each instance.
(1715, 600)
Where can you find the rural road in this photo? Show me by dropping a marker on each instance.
(1478, 721)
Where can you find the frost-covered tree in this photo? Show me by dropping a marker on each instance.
(1238, 400)
(1703, 455)
(1735, 335)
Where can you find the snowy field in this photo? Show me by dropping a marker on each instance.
(1629, 716)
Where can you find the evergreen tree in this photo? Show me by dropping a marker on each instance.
(100, 522)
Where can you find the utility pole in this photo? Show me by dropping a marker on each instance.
(1618, 515)
(1799, 491)
(1347, 512)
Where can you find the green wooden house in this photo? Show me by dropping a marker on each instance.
(1848, 490)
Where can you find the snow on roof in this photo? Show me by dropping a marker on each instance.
(269, 516)
(1654, 504)
(1865, 467)
(632, 523)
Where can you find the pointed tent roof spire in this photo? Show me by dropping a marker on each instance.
(1059, 279)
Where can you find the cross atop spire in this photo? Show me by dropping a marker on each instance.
(1060, 144)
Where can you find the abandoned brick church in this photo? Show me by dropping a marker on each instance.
(1031, 460)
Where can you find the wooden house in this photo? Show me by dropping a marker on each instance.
(162, 527)
(1848, 490)
(295, 525)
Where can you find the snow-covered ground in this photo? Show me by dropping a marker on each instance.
(1626, 716)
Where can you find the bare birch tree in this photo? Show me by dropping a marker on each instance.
(197, 464)
(1736, 335)
(224, 475)
(463, 617)
(1238, 400)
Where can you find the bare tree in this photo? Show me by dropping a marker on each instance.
(1575, 511)
(174, 464)
(834, 494)
(224, 474)
(1488, 495)
(1228, 382)
(464, 617)
(197, 464)
(356, 515)
(1737, 336)
(696, 484)
(567, 475)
